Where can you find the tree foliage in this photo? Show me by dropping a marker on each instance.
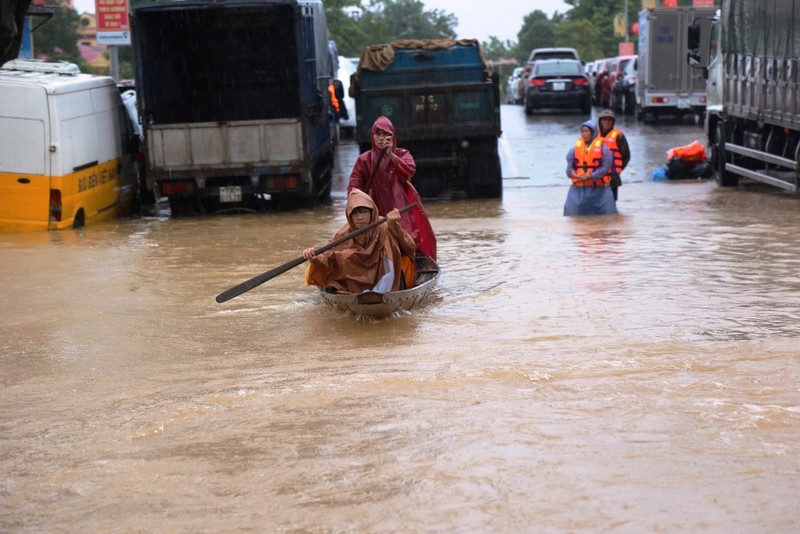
(56, 39)
(537, 31)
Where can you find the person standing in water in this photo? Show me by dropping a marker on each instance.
(588, 166)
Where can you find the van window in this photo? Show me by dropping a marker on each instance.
(25, 151)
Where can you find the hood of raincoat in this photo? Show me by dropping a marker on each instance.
(382, 123)
(592, 126)
(356, 199)
(607, 113)
(358, 264)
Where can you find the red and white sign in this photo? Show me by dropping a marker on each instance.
(703, 3)
(625, 49)
(113, 24)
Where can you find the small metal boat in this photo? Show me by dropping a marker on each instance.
(374, 304)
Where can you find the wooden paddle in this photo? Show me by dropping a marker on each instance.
(374, 170)
(247, 285)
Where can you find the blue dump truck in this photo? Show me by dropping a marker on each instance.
(232, 95)
(445, 105)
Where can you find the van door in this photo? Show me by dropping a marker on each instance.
(24, 173)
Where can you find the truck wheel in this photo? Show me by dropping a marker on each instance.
(724, 178)
(180, 206)
(485, 175)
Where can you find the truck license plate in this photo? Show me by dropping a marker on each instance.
(558, 86)
(231, 193)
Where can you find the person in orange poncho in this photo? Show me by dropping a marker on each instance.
(384, 172)
(380, 259)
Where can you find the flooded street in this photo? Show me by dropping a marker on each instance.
(632, 373)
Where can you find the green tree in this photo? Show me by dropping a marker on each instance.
(600, 13)
(537, 31)
(495, 50)
(346, 31)
(581, 35)
(57, 38)
(387, 20)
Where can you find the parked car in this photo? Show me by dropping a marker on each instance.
(514, 86)
(623, 96)
(557, 83)
(615, 69)
(549, 53)
(601, 73)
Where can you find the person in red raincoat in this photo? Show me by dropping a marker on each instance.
(384, 172)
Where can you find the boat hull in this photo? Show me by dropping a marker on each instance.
(374, 304)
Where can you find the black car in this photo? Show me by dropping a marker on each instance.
(557, 83)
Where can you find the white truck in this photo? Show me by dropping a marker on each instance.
(665, 83)
(749, 53)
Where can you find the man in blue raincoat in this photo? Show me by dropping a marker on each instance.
(588, 166)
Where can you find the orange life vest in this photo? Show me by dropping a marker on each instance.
(334, 100)
(691, 153)
(586, 161)
(611, 142)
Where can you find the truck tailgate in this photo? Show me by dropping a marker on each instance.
(220, 146)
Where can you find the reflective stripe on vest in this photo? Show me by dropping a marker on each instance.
(611, 142)
(586, 161)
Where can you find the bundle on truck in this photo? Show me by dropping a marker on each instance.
(233, 100)
(445, 105)
(750, 55)
(665, 84)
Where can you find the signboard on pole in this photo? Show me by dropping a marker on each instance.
(703, 3)
(625, 49)
(113, 24)
(619, 25)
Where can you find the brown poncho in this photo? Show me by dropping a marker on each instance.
(358, 264)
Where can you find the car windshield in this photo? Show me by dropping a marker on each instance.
(558, 69)
(554, 55)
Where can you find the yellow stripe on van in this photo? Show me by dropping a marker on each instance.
(24, 202)
(91, 192)
(94, 191)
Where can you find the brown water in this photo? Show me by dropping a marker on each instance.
(634, 373)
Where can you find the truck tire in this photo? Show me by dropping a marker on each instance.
(485, 173)
(724, 178)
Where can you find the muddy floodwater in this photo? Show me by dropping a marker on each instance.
(632, 373)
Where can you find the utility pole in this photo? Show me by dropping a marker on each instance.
(626, 21)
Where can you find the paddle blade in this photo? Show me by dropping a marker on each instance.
(247, 285)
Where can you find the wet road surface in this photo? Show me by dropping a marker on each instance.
(633, 373)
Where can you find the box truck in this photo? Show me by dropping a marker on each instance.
(749, 53)
(232, 95)
(665, 83)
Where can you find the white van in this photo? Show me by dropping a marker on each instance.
(347, 127)
(66, 148)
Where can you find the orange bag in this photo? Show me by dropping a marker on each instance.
(691, 153)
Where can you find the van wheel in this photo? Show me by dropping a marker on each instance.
(78, 221)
